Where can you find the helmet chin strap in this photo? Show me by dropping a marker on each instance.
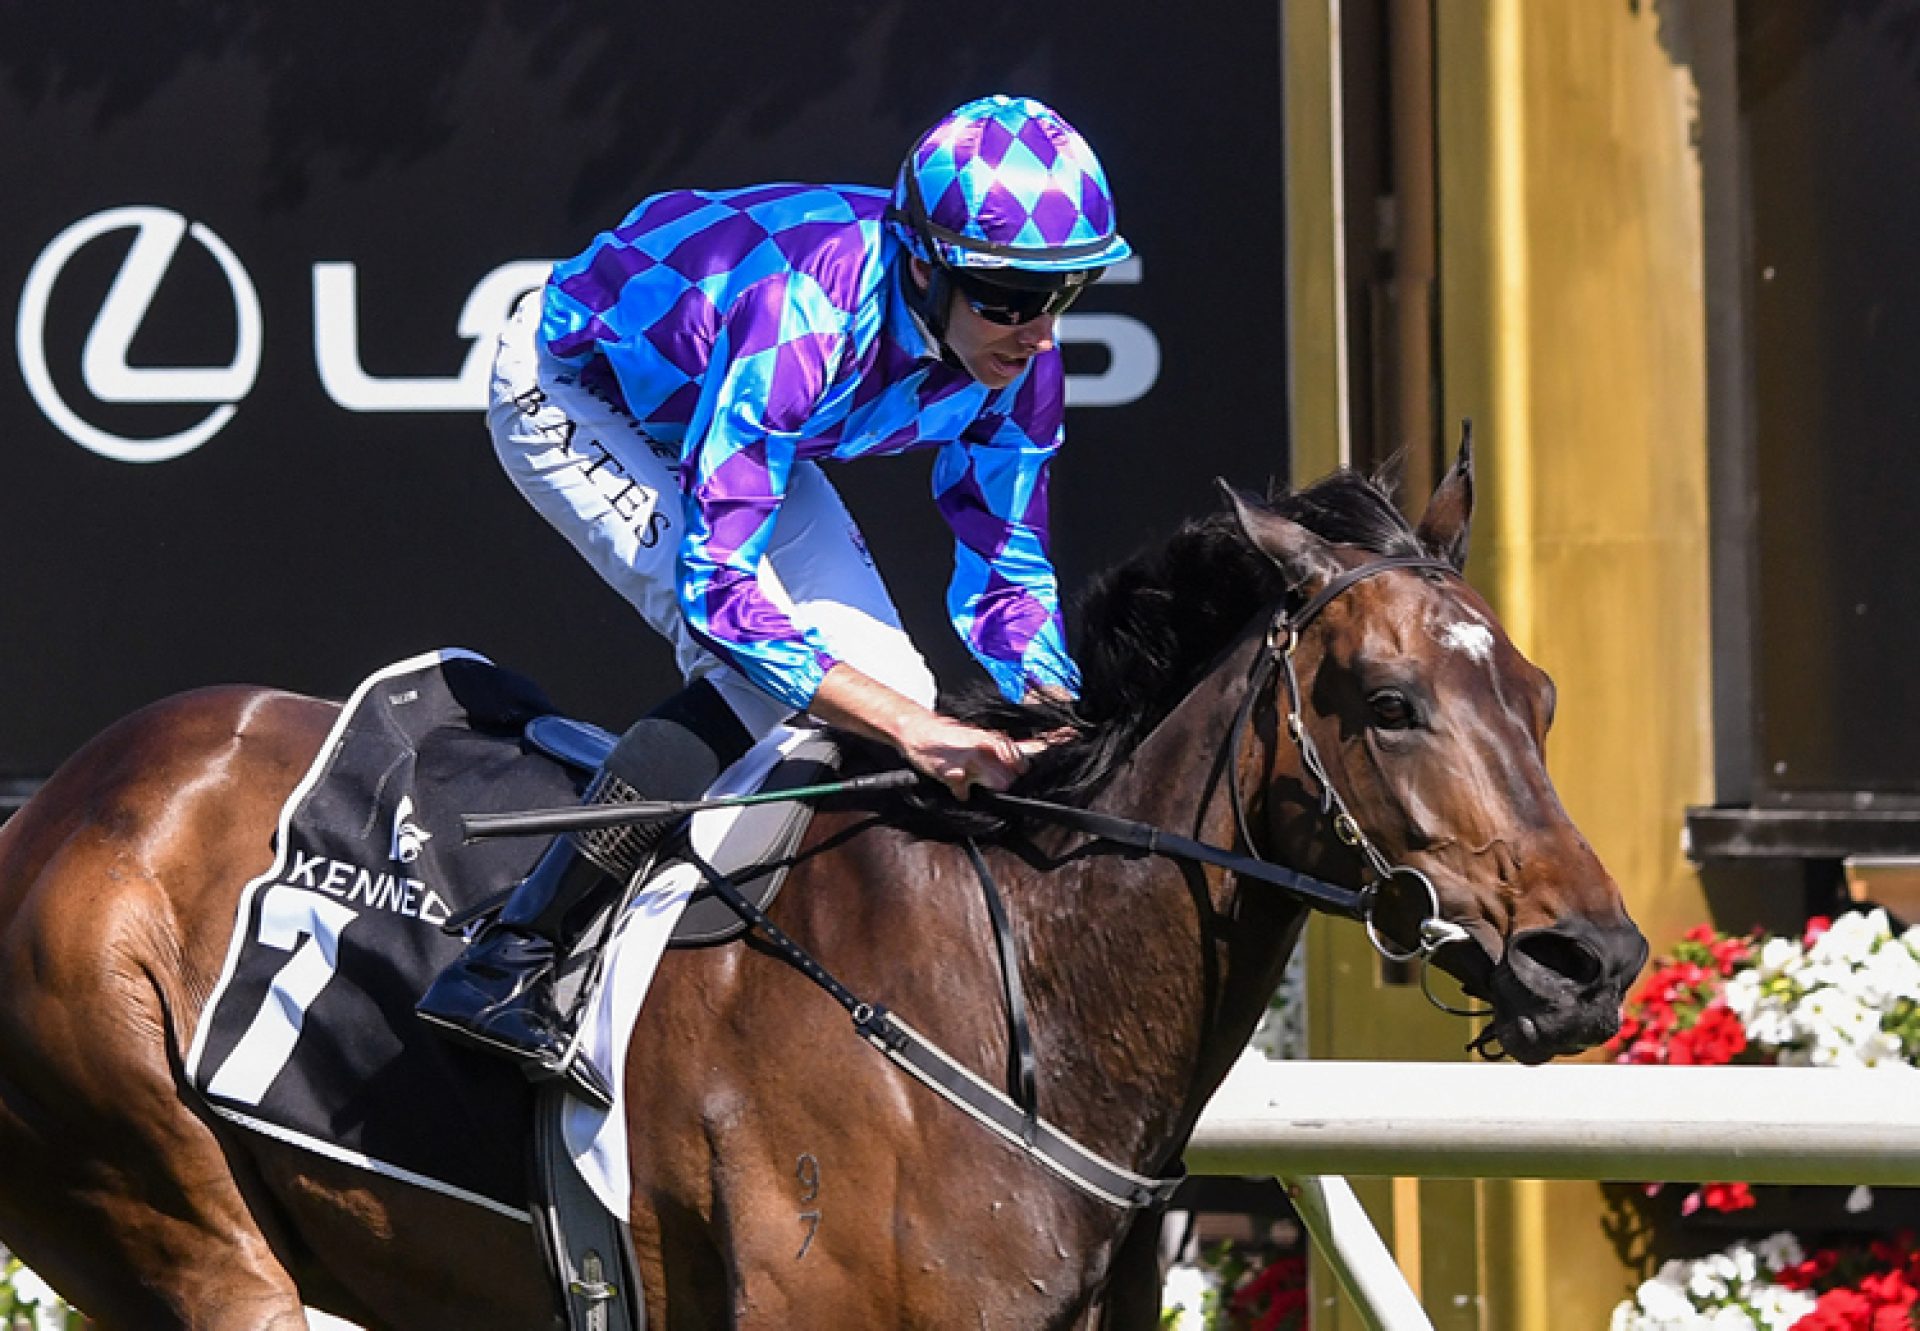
(933, 304)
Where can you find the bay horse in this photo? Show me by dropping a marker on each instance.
(784, 1176)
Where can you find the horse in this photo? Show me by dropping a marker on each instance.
(784, 1175)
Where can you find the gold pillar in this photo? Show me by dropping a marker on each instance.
(1573, 332)
(1317, 417)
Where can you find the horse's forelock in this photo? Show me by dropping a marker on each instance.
(1350, 509)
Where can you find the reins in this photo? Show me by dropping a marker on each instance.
(1282, 636)
(1016, 1117)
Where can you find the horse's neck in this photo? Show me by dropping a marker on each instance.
(1148, 986)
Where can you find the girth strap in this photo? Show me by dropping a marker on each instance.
(1019, 1034)
(939, 1071)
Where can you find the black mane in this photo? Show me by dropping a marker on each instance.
(1146, 630)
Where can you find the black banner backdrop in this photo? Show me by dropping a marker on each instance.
(356, 189)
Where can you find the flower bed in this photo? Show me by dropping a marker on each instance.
(1845, 993)
(1774, 1285)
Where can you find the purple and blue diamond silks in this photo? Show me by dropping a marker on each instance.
(757, 327)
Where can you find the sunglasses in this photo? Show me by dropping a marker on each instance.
(1009, 306)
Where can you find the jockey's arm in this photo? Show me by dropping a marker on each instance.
(990, 485)
(952, 752)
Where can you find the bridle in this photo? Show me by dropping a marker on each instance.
(1282, 637)
(1385, 881)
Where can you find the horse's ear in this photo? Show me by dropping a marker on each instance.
(1444, 526)
(1303, 557)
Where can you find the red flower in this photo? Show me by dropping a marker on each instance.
(1674, 1016)
(1804, 1274)
(1838, 1310)
(1715, 1038)
(1730, 953)
(1728, 1197)
(1274, 1299)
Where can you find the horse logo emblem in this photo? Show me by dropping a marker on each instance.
(408, 836)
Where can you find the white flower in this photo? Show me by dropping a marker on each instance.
(1778, 957)
(30, 1288)
(1835, 1023)
(1689, 1295)
(1185, 1293)
(1882, 1050)
(1665, 1296)
(1852, 938)
(1707, 1285)
(1741, 993)
(1827, 1005)
(1779, 1307)
(1822, 975)
(1890, 974)
(1779, 1251)
(1626, 1317)
(1282, 1032)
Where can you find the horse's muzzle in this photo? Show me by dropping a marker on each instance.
(1558, 989)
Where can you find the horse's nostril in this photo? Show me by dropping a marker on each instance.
(1563, 956)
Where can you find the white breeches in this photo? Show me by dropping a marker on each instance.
(615, 495)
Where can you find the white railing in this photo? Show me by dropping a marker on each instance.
(1313, 1123)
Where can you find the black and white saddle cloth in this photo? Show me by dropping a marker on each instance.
(310, 1035)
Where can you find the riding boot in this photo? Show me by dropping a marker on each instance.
(498, 996)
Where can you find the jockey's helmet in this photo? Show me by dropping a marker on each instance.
(1006, 197)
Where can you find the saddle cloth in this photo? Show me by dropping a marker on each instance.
(310, 1036)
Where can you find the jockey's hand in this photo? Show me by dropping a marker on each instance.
(957, 755)
(960, 756)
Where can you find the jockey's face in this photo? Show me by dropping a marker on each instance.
(995, 354)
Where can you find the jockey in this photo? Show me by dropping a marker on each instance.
(665, 402)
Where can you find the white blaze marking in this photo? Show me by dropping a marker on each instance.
(1476, 640)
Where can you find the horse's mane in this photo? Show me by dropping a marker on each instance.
(1146, 630)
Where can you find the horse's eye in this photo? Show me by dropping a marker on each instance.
(1392, 710)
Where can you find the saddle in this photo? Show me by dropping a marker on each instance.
(751, 846)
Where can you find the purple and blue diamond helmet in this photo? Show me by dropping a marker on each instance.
(1005, 190)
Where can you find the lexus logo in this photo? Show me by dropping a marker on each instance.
(1132, 352)
(103, 362)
